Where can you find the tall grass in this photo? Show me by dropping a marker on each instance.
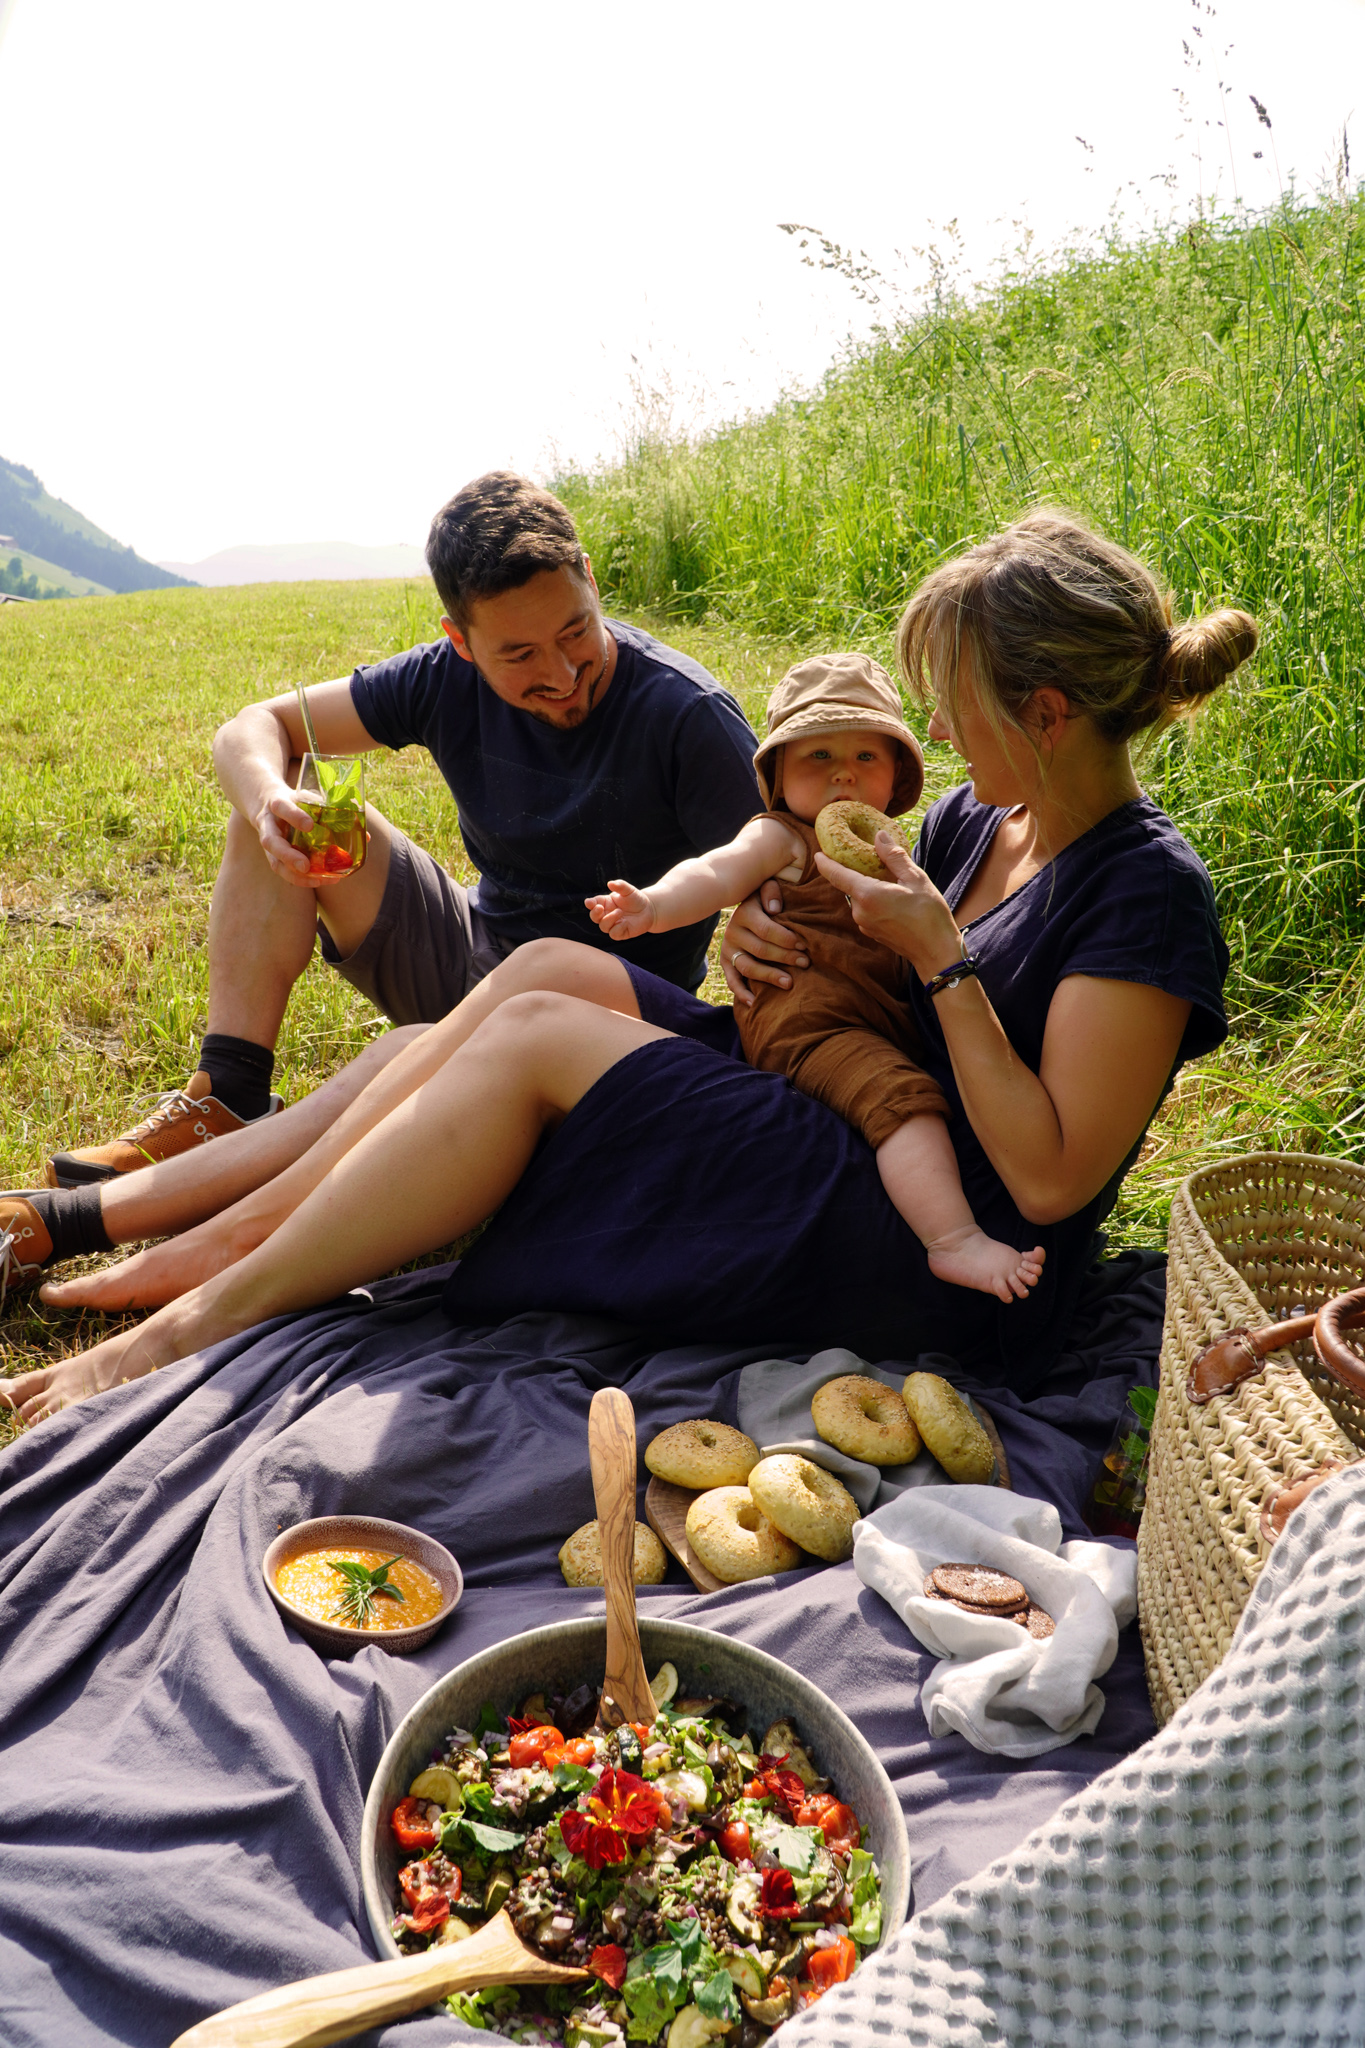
(1199, 395)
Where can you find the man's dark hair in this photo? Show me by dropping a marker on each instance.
(494, 535)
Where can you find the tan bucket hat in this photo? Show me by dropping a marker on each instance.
(838, 693)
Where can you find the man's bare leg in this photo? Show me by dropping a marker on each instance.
(262, 928)
(481, 1115)
(223, 1181)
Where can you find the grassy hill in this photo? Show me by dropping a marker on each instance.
(62, 538)
(1199, 397)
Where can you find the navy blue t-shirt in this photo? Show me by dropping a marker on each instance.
(660, 770)
(1128, 901)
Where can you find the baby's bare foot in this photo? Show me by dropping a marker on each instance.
(968, 1258)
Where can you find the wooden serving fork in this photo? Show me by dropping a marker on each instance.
(344, 2002)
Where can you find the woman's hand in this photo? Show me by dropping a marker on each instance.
(752, 940)
(907, 914)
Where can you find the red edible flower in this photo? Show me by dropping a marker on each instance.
(778, 1900)
(621, 1809)
(784, 1788)
(609, 1963)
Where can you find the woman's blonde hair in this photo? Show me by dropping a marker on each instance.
(1049, 602)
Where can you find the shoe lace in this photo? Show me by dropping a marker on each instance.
(158, 1109)
(12, 1267)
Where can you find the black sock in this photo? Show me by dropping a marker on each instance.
(74, 1220)
(240, 1073)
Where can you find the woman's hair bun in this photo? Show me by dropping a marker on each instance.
(1201, 654)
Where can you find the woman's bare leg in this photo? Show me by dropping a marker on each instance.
(437, 1164)
(236, 1208)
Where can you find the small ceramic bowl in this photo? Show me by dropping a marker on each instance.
(363, 1532)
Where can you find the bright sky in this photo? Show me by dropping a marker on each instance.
(295, 269)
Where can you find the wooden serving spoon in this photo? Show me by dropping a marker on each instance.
(611, 1453)
(344, 2002)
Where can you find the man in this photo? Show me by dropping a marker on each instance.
(577, 749)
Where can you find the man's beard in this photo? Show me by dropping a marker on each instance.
(577, 717)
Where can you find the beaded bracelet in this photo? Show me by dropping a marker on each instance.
(961, 970)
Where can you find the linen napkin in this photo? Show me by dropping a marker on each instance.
(1007, 1692)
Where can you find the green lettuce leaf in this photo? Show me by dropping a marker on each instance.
(865, 1922)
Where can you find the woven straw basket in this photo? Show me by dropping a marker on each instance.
(1251, 1241)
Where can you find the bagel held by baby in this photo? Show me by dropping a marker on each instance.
(844, 1033)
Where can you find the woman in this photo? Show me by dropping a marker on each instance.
(640, 1170)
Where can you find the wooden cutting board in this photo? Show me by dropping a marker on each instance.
(666, 1512)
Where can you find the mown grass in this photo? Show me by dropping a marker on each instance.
(1199, 396)
(111, 825)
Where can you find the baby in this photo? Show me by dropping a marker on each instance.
(844, 1032)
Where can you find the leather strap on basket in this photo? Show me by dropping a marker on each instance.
(1280, 1506)
(1237, 1354)
(1346, 1312)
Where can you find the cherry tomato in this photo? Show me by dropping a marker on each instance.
(580, 1751)
(438, 1875)
(429, 1910)
(837, 1822)
(735, 1846)
(832, 1965)
(641, 1731)
(414, 1823)
(609, 1963)
(529, 1749)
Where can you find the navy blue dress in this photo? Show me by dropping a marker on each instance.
(694, 1197)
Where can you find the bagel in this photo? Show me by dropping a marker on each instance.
(846, 831)
(950, 1429)
(702, 1455)
(581, 1558)
(864, 1419)
(805, 1502)
(734, 1538)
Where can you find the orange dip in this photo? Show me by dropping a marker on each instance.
(307, 1580)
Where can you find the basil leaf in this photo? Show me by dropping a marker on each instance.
(794, 1849)
(717, 1999)
(573, 1778)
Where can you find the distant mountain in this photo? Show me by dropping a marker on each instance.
(317, 561)
(55, 533)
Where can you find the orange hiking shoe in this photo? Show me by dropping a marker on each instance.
(25, 1246)
(180, 1121)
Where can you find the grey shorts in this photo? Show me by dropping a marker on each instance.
(427, 947)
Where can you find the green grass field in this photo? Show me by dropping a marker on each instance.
(111, 825)
(1198, 397)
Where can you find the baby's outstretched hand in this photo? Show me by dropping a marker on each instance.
(625, 912)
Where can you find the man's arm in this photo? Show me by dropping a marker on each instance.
(252, 753)
(699, 887)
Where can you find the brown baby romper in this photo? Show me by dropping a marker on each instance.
(843, 1033)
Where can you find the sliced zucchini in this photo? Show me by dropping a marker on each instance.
(741, 1906)
(690, 1784)
(770, 2012)
(782, 1737)
(441, 1784)
(454, 1930)
(745, 1973)
(498, 1893)
(693, 2029)
(664, 1684)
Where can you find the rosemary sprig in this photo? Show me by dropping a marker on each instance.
(364, 1585)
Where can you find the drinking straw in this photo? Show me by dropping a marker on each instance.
(309, 733)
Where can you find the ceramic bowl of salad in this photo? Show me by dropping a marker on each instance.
(716, 1871)
(347, 1580)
